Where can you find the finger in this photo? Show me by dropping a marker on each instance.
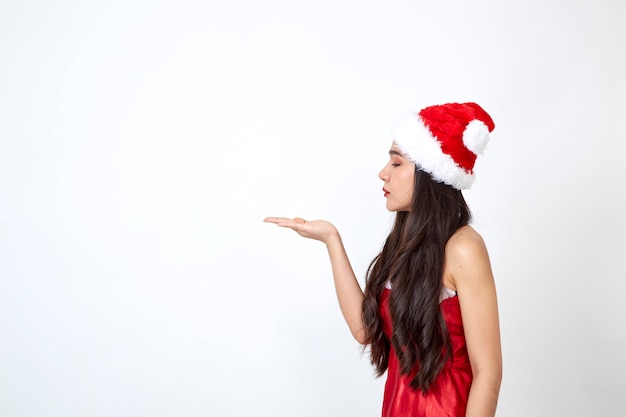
(275, 219)
(299, 220)
(282, 222)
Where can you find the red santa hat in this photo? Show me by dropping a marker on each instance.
(445, 140)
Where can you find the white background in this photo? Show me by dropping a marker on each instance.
(143, 142)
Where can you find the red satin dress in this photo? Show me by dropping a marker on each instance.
(447, 395)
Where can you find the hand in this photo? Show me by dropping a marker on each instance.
(317, 229)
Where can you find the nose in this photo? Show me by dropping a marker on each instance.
(383, 174)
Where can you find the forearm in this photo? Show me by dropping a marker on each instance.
(483, 397)
(349, 292)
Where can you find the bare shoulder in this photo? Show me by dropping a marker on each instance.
(465, 242)
(466, 255)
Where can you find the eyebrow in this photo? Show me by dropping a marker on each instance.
(394, 152)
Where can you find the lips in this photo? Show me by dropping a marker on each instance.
(385, 192)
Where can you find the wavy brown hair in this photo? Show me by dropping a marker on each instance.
(412, 258)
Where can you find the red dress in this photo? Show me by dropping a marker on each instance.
(447, 395)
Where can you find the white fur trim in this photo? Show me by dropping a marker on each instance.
(476, 136)
(418, 144)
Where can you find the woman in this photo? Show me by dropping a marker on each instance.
(429, 312)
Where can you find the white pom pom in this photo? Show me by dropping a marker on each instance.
(476, 136)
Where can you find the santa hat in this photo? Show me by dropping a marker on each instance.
(445, 140)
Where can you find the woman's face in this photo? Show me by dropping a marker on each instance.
(398, 177)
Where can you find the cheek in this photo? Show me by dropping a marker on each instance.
(409, 193)
(409, 180)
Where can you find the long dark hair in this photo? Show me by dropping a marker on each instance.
(412, 258)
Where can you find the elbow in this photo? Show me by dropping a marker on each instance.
(361, 341)
(359, 336)
(489, 378)
(489, 369)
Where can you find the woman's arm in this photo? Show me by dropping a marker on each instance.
(349, 292)
(468, 265)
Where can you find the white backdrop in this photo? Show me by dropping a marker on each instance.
(143, 142)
